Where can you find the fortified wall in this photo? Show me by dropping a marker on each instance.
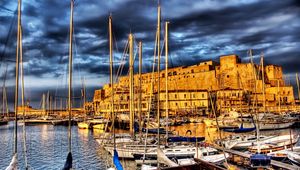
(229, 84)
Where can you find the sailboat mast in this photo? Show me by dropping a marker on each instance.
(17, 78)
(4, 98)
(44, 104)
(4, 93)
(112, 115)
(84, 97)
(263, 82)
(70, 74)
(3, 101)
(158, 73)
(167, 60)
(131, 103)
(140, 87)
(23, 99)
(297, 80)
(278, 93)
(255, 104)
(47, 104)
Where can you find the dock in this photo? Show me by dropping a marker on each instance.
(246, 156)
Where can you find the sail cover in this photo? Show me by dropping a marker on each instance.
(13, 163)
(117, 162)
(185, 139)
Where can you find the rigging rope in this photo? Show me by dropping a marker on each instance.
(14, 20)
(150, 98)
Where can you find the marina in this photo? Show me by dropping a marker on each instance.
(139, 109)
(88, 151)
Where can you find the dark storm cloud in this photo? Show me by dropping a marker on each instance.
(199, 31)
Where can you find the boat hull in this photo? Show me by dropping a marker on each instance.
(3, 122)
(99, 126)
(83, 125)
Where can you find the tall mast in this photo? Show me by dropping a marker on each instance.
(263, 82)
(158, 73)
(70, 74)
(4, 97)
(279, 96)
(111, 64)
(297, 80)
(84, 97)
(44, 103)
(6, 105)
(17, 78)
(167, 59)
(23, 97)
(140, 87)
(131, 108)
(255, 104)
(47, 104)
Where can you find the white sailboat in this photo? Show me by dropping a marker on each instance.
(180, 153)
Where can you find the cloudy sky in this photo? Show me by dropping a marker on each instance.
(199, 30)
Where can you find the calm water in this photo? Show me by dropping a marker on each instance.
(47, 146)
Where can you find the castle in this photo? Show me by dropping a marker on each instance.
(229, 84)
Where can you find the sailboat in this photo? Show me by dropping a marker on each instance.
(3, 117)
(260, 160)
(240, 129)
(14, 161)
(85, 124)
(69, 160)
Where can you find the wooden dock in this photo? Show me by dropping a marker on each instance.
(275, 164)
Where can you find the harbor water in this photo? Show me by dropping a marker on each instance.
(47, 145)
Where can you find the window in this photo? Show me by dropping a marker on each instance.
(192, 71)
(202, 95)
(184, 95)
(185, 104)
(227, 76)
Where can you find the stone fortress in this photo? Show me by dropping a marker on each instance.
(229, 84)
